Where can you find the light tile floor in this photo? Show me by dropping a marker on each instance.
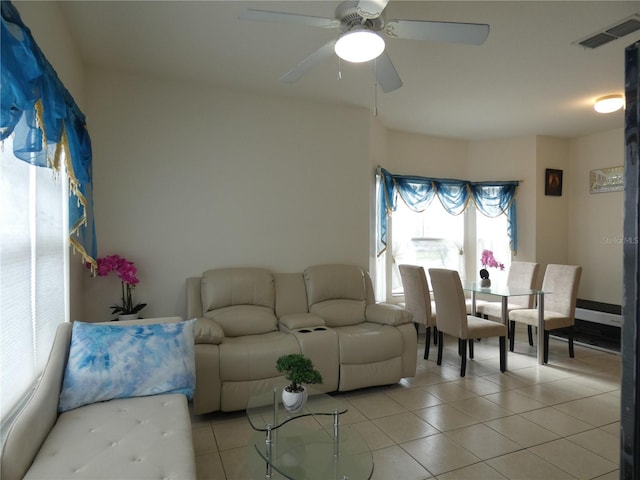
(556, 421)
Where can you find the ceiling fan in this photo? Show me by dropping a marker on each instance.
(364, 20)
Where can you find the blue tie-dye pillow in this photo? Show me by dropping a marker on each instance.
(110, 361)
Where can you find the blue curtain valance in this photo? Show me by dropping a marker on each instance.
(491, 199)
(48, 126)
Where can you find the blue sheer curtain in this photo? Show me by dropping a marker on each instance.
(47, 125)
(491, 198)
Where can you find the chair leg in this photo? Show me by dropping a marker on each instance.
(530, 334)
(471, 340)
(512, 334)
(460, 347)
(435, 335)
(503, 354)
(427, 342)
(417, 327)
(571, 334)
(440, 342)
(463, 361)
(546, 346)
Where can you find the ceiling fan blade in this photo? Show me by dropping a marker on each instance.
(281, 17)
(371, 8)
(303, 67)
(469, 33)
(386, 74)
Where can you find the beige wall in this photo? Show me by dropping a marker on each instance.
(552, 212)
(511, 159)
(595, 224)
(189, 178)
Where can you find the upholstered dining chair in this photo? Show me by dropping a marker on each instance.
(521, 275)
(417, 299)
(453, 320)
(560, 283)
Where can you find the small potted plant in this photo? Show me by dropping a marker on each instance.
(299, 370)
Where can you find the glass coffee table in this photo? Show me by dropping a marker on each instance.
(286, 446)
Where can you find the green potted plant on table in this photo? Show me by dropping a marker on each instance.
(299, 370)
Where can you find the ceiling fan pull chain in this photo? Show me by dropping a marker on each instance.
(375, 87)
(339, 69)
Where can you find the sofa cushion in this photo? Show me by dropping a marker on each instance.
(253, 357)
(226, 287)
(206, 330)
(127, 439)
(387, 314)
(341, 312)
(368, 343)
(328, 282)
(242, 320)
(109, 361)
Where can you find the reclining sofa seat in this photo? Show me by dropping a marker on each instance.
(248, 317)
(237, 336)
(377, 341)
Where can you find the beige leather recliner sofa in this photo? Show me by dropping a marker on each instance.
(248, 317)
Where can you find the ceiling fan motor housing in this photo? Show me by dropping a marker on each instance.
(347, 13)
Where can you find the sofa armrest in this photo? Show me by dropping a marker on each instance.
(294, 321)
(387, 314)
(206, 330)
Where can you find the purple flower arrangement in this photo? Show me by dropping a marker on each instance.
(127, 272)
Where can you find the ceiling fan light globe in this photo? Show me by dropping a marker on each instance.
(609, 104)
(359, 46)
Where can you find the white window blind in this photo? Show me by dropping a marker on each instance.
(33, 266)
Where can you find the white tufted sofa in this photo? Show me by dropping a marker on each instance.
(126, 439)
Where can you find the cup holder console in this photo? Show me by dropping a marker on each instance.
(315, 329)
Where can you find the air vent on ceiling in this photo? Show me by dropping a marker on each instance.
(611, 33)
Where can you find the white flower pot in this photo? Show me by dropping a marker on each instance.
(130, 316)
(294, 401)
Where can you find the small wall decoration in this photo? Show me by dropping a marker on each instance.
(553, 182)
(606, 180)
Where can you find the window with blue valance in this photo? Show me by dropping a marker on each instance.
(490, 198)
(47, 125)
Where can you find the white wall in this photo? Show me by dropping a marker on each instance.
(189, 178)
(595, 223)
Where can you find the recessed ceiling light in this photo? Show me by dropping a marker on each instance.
(609, 103)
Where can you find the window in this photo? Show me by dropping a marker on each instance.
(436, 239)
(432, 238)
(33, 266)
(491, 235)
(446, 228)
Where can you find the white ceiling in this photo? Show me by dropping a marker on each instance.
(526, 79)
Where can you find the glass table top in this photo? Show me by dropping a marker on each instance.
(316, 448)
(265, 410)
(501, 290)
(301, 453)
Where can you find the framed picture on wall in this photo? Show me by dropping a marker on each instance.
(553, 182)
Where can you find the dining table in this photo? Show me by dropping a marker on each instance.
(504, 292)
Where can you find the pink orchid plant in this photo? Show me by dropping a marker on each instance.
(126, 271)
(488, 260)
